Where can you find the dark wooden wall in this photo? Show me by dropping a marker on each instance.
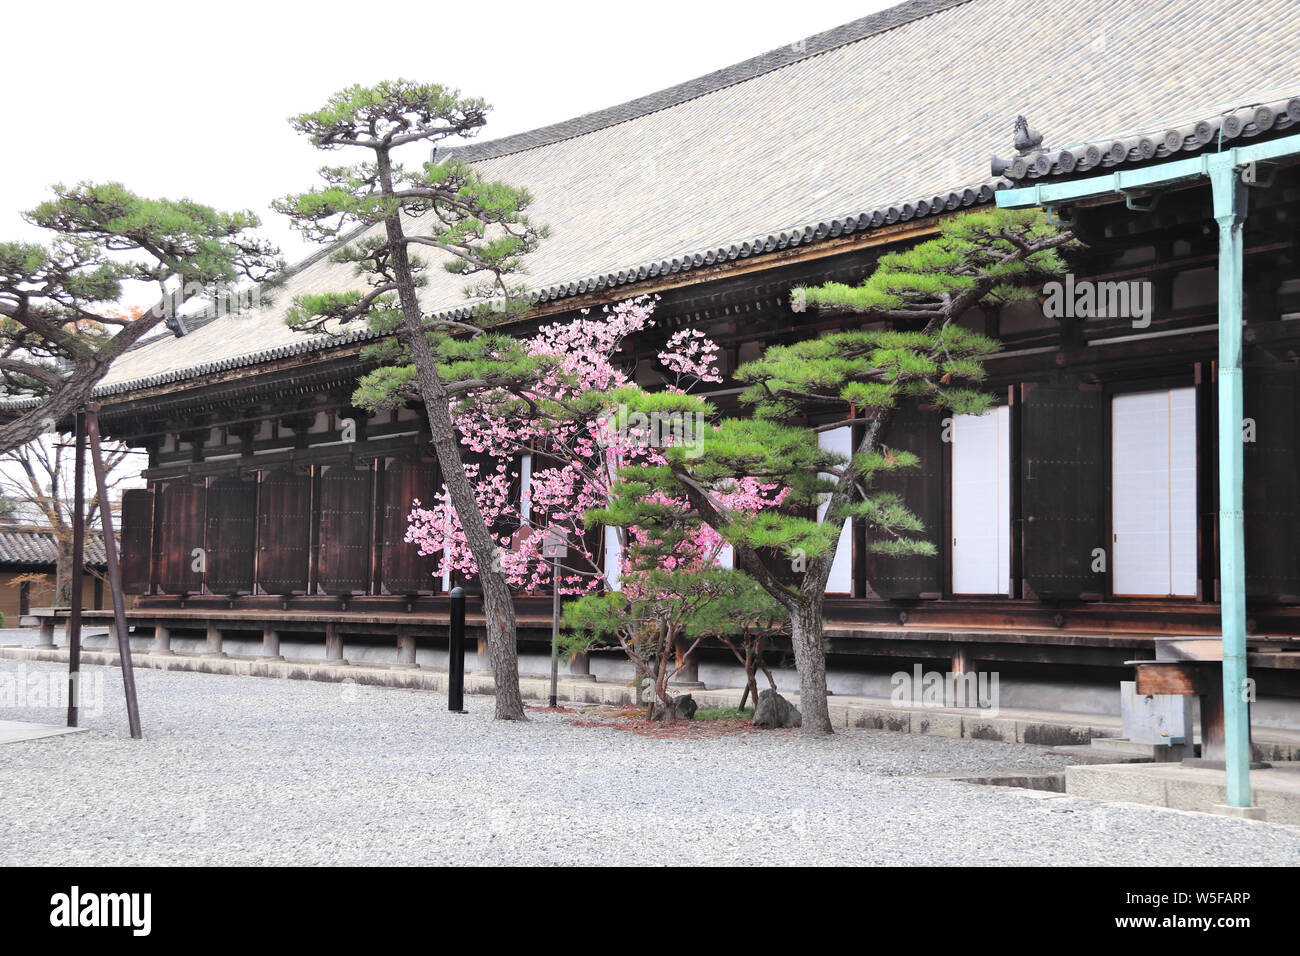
(404, 569)
(231, 534)
(346, 510)
(282, 531)
(919, 430)
(1061, 490)
(284, 512)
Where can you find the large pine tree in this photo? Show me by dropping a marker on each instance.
(484, 227)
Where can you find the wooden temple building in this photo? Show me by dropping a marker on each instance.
(1073, 525)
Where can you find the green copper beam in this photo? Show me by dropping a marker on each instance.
(1158, 175)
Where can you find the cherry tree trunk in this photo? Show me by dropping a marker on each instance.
(63, 576)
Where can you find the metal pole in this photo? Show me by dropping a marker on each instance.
(555, 629)
(78, 568)
(114, 570)
(456, 653)
(1230, 213)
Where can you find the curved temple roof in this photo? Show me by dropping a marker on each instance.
(889, 118)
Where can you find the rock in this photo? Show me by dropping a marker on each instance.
(684, 706)
(773, 710)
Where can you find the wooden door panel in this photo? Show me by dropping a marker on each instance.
(344, 557)
(283, 532)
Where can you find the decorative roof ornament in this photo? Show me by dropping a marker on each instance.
(1027, 142)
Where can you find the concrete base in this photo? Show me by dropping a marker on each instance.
(1159, 753)
(1220, 765)
(1274, 791)
(1084, 754)
(1241, 813)
(14, 731)
(687, 685)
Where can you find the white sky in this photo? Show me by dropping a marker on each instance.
(180, 100)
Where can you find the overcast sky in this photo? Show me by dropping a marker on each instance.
(181, 100)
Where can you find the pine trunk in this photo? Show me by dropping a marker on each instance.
(498, 605)
(806, 637)
(806, 610)
(62, 402)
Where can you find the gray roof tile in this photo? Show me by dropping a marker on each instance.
(27, 546)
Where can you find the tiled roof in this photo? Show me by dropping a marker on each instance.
(859, 29)
(26, 546)
(890, 118)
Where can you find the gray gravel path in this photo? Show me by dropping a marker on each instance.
(246, 771)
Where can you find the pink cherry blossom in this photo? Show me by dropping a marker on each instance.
(573, 460)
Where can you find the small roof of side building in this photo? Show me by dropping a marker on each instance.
(25, 547)
(886, 119)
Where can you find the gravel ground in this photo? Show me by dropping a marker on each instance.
(248, 771)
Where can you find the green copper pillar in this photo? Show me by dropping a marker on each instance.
(1230, 213)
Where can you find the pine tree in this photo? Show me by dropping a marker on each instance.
(923, 356)
(62, 323)
(483, 225)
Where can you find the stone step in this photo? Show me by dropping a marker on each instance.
(1275, 791)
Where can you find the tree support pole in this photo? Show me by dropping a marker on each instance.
(78, 568)
(114, 570)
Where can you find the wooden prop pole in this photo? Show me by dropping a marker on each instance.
(114, 570)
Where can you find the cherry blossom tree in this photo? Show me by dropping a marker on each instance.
(578, 434)
(675, 589)
(575, 442)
